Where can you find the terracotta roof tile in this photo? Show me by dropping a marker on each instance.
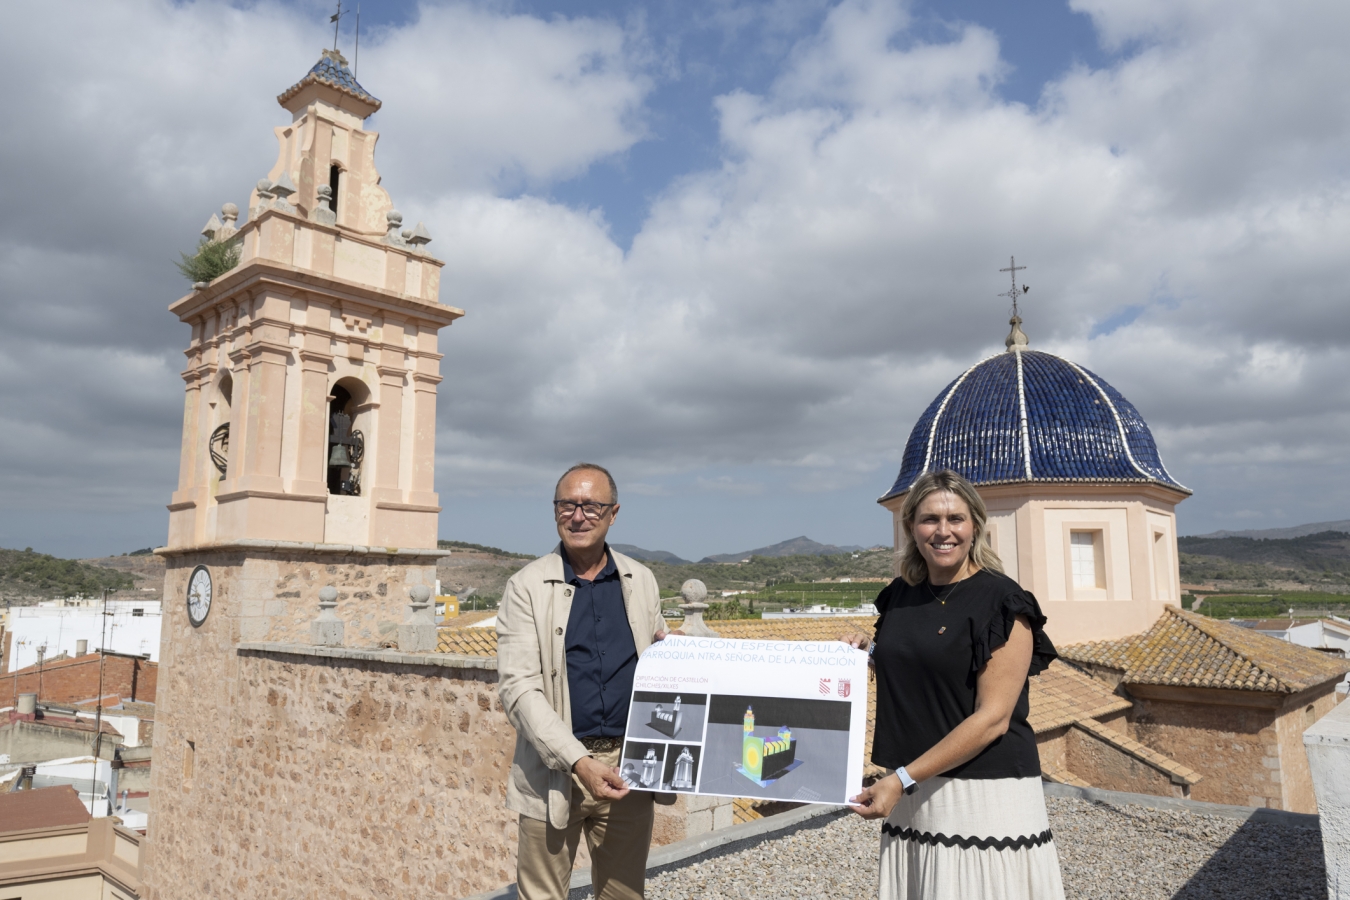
(1190, 650)
(1062, 695)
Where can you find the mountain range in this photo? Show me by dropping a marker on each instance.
(1295, 531)
(798, 546)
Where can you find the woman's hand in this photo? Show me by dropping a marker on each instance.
(877, 801)
(857, 640)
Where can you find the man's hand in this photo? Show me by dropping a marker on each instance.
(661, 635)
(856, 639)
(603, 782)
(877, 801)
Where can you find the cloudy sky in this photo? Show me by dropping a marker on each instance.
(730, 249)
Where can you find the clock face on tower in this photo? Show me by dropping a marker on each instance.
(199, 595)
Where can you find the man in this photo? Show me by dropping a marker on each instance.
(569, 632)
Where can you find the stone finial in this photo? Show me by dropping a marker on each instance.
(283, 187)
(394, 223)
(323, 209)
(1017, 338)
(419, 238)
(694, 593)
(212, 228)
(417, 634)
(229, 214)
(264, 188)
(327, 629)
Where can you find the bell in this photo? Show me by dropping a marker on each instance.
(340, 456)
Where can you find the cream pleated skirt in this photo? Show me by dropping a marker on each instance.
(965, 838)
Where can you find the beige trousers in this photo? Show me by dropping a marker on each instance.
(618, 834)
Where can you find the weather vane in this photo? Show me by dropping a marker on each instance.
(336, 19)
(1013, 292)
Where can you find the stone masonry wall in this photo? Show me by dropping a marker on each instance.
(1105, 766)
(205, 692)
(343, 779)
(1235, 748)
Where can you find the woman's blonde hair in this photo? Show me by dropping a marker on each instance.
(913, 567)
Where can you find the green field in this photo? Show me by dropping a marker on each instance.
(1272, 606)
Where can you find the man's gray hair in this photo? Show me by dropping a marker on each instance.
(591, 467)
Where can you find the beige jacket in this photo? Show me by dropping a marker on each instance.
(532, 673)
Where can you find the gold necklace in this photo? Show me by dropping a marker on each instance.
(955, 588)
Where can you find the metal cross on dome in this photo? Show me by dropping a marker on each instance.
(1013, 292)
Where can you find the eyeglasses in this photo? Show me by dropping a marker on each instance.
(564, 509)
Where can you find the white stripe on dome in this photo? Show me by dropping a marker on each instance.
(1022, 409)
(937, 417)
(1120, 426)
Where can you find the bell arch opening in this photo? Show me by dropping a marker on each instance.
(218, 445)
(346, 445)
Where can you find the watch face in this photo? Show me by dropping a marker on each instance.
(199, 595)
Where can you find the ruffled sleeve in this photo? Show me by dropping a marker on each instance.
(990, 637)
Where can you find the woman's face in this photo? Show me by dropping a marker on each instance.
(943, 530)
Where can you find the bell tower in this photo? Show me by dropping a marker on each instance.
(308, 453)
(312, 369)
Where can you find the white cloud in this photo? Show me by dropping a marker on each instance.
(783, 316)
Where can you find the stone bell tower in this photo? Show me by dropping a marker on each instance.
(308, 450)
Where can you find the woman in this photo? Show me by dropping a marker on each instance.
(955, 643)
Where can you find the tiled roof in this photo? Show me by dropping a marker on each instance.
(1062, 695)
(331, 69)
(1190, 650)
(1032, 416)
(468, 641)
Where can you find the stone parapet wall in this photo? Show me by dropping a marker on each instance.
(341, 777)
(275, 596)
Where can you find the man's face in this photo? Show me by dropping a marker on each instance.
(580, 534)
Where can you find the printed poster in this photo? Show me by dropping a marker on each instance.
(777, 720)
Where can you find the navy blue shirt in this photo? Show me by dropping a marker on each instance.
(601, 655)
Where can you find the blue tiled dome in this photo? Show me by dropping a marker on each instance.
(1028, 416)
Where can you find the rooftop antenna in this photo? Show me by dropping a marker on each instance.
(1017, 338)
(356, 57)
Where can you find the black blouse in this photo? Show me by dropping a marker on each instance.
(928, 655)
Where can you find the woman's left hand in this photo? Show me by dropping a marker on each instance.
(877, 801)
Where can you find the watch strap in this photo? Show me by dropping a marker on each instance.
(908, 783)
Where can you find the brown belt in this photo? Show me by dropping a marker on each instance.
(601, 744)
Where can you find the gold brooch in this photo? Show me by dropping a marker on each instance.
(942, 629)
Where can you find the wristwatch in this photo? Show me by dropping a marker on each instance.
(909, 784)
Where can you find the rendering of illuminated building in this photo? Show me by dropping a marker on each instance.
(763, 760)
(684, 772)
(667, 722)
(650, 774)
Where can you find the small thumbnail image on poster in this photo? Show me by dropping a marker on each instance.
(777, 748)
(642, 765)
(667, 717)
(681, 772)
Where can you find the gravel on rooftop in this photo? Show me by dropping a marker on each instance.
(1106, 852)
